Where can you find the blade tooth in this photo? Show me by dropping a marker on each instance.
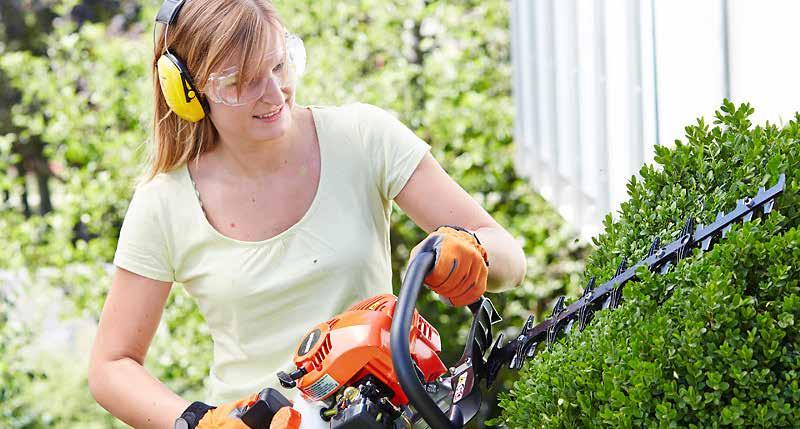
(559, 307)
(706, 244)
(726, 230)
(560, 303)
(519, 356)
(528, 325)
(524, 350)
(606, 302)
(568, 328)
(589, 289)
(616, 295)
(623, 265)
(768, 206)
(562, 329)
(517, 359)
(552, 340)
(781, 181)
(687, 226)
(720, 215)
(684, 251)
(748, 217)
(531, 352)
(666, 267)
(740, 203)
(761, 190)
(585, 317)
(654, 247)
(552, 334)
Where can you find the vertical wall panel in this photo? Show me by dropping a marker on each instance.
(547, 107)
(593, 181)
(649, 78)
(690, 63)
(567, 86)
(522, 86)
(765, 66)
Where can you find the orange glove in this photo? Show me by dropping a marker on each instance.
(228, 416)
(286, 418)
(461, 268)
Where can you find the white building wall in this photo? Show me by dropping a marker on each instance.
(598, 83)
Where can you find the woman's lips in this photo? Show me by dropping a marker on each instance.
(272, 118)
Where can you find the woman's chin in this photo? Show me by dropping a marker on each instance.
(273, 133)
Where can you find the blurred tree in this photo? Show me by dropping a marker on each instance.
(25, 28)
(83, 96)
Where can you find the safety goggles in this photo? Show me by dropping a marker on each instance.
(224, 86)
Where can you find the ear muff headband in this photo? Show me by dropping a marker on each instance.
(173, 75)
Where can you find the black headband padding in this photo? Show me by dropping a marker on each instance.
(168, 12)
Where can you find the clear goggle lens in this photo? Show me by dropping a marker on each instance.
(223, 87)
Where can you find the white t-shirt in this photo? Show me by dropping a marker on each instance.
(260, 298)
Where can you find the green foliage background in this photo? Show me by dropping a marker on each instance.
(75, 120)
(724, 350)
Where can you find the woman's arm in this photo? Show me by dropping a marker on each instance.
(431, 198)
(117, 378)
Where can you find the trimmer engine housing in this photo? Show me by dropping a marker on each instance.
(355, 345)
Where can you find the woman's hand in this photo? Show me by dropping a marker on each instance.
(461, 268)
(229, 416)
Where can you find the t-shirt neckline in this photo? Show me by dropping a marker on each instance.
(198, 209)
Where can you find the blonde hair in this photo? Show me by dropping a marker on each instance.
(206, 34)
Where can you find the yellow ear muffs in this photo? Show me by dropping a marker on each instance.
(179, 92)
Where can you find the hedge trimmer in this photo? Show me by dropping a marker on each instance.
(376, 366)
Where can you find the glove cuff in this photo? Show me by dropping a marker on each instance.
(459, 228)
(195, 412)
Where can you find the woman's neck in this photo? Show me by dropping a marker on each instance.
(259, 159)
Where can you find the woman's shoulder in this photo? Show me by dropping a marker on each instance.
(162, 181)
(162, 187)
(354, 112)
(360, 121)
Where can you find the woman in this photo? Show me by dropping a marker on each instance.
(274, 216)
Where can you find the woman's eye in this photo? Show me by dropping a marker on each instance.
(228, 81)
(278, 67)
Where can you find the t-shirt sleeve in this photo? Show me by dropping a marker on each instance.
(394, 150)
(142, 247)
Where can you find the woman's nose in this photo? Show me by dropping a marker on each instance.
(272, 93)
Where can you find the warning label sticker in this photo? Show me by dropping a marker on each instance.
(321, 388)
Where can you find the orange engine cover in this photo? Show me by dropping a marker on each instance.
(355, 344)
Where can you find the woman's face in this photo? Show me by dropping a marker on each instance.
(251, 122)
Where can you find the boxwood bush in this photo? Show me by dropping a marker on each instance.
(724, 349)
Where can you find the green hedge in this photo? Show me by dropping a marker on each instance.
(724, 349)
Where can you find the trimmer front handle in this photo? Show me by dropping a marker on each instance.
(464, 375)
